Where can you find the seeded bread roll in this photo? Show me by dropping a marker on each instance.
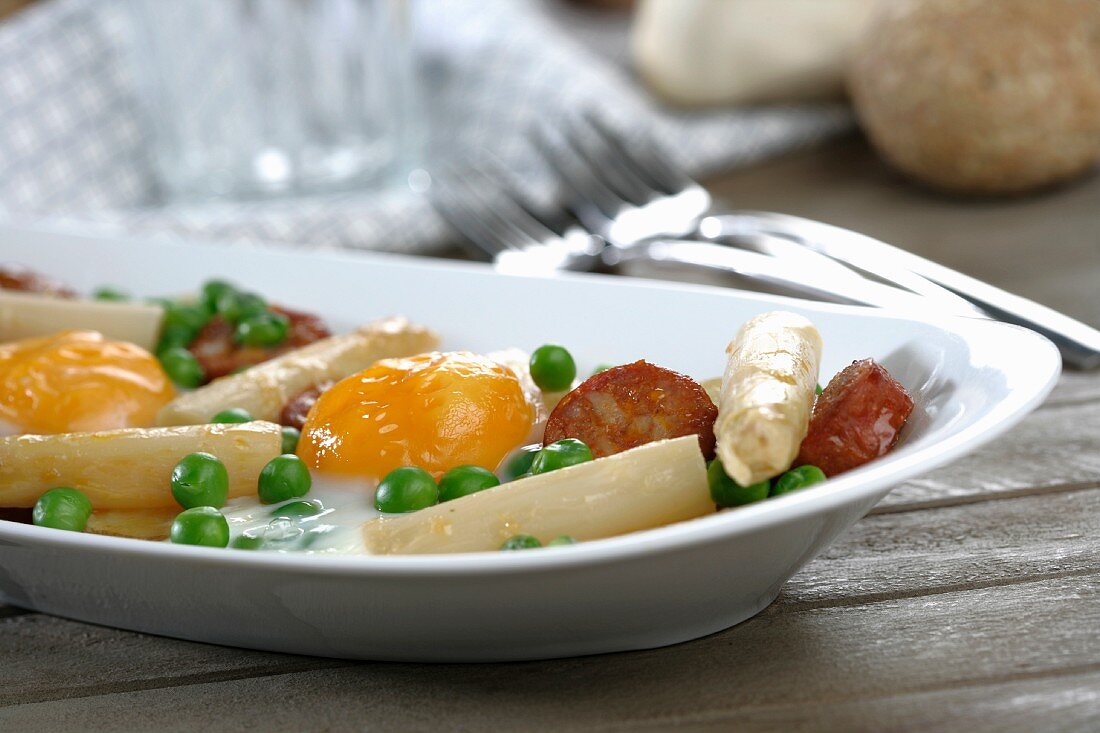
(982, 96)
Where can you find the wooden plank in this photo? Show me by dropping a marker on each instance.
(1051, 450)
(46, 657)
(889, 556)
(1074, 388)
(1064, 703)
(810, 657)
(6, 611)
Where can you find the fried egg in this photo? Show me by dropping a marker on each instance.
(435, 411)
(77, 381)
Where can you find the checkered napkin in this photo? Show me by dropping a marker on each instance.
(73, 145)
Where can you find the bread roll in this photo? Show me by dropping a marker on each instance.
(700, 52)
(982, 96)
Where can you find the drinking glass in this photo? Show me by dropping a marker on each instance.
(258, 97)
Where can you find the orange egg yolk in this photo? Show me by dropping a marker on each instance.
(435, 411)
(77, 381)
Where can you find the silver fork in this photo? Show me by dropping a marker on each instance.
(629, 196)
(484, 205)
(499, 221)
(626, 194)
(491, 174)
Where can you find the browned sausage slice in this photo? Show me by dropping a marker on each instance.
(630, 405)
(17, 277)
(219, 353)
(297, 408)
(856, 419)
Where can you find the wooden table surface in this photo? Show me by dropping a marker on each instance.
(968, 600)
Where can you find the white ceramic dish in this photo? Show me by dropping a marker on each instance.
(971, 380)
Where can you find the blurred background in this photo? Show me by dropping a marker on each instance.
(320, 123)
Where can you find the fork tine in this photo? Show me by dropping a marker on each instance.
(496, 209)
(465, 223)
(470, 221)
(605, 162)
(508, 230)
(647, 158)
(508, 205)
(553, 216)
(593, 202)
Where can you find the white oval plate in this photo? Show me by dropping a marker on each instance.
(971, 381)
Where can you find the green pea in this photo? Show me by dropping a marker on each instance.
(175, 336)
(561, 541)
(520, 463)
(726, 492)
(602, 368)
(406, 489)
(247, 542)
(201, 525)
(213, 291)
(185, 316)
(298, 509)
(263, 329)
(200, 479)
(109, 293)
(284, 477)
(236, 306)
(182, 367)
(62, 508)
(466, 480)
(232, 415)
(291, 436)
(567, 452)
(521, 542)
(797, 478)
(553, 368)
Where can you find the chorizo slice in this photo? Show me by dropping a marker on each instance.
(218, 352)
(856, 419)
(17, 277)
(630, 405)
(296, 409)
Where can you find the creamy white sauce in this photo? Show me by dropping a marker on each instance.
(346, 505)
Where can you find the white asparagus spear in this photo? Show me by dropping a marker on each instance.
(713, 388)
(649, 486)
(264, 389)
(130, 468)
(26, 315)
(141, 524)
(767, 395)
